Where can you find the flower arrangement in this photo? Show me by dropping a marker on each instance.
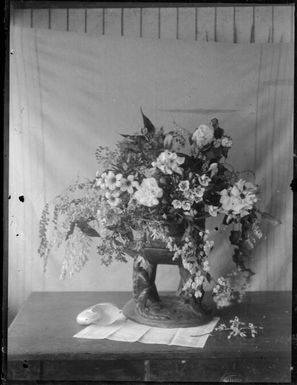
(160, 187)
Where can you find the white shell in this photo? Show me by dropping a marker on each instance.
(99, 314)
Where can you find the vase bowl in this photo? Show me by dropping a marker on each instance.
(169, 312)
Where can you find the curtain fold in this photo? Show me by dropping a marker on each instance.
(70, 93)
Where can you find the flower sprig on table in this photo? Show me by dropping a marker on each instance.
(150, 185)
(236, 328)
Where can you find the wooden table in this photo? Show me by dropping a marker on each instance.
(41, 345)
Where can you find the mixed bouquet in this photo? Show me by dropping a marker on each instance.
(160, 187)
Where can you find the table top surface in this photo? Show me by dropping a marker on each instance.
(44, 329)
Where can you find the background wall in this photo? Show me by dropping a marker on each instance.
(52, 141)
(238, 24)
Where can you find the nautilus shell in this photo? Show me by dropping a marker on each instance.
(99, 314)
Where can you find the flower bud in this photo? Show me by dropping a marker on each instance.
(168, 141)
(215, 123)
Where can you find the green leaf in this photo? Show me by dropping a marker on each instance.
(208, 277)
(148, 124)
(87, 229)
(72, 226)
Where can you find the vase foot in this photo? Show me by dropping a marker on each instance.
(171, 312)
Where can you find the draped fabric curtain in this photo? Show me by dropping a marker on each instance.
(70, 93)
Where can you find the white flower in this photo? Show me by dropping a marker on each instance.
(100, 183)
(199, 279)
(148, 192)
(222, 300)
(198, 293)
(100, 179)
(113, 181)
(129, 184)
(198, 192)
(176, 204)
(207, 247)
(203, 135)
(114, 201)
(238, 199)
(226, 141)
(187, 194)
(204, 180)
(116, 193)
(194, 195)
(222, 281)
(190, 267)
(206, 266)
(107, 194)
(213, 210)
(186, 205)
(184, 185)
(148, 172)
(169, 162)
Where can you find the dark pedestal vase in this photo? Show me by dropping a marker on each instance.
(149, 308)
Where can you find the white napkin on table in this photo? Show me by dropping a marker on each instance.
(110, 323)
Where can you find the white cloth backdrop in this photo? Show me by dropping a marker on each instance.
(70, 93)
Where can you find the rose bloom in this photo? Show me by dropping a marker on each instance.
(148, 192)
(203, 135)
(169, 162)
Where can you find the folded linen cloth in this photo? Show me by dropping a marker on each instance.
(115, 326)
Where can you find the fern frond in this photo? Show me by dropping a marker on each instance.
(77, 249)
(44, 249)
